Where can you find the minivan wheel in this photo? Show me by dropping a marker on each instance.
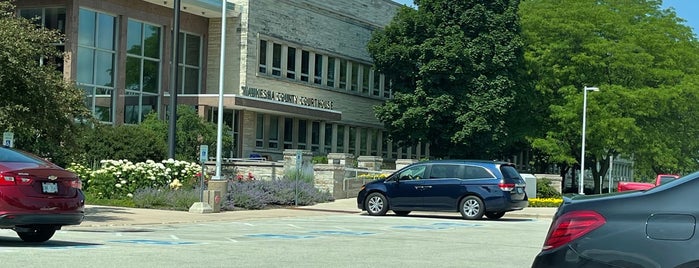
(494, 215)
(376, 204)
(37, 235)
(471, 208)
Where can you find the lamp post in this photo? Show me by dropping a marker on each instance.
(582, 151)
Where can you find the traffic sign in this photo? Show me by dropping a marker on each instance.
(203, 153)
(8, 139)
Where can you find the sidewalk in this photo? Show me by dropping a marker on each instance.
(103, 216)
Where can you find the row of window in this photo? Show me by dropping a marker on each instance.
(285, 61)
(277, 133)
(96, 61)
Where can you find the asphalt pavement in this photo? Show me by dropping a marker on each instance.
(101, 216)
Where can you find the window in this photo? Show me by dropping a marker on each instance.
(386, 88)
(96, 62)
(318, 72)
(363, 141)
(328, 137)
(189, 64)
(354, 76)
(263, 57)
(260, 131)
(142, 71)
(475, 172)
(340, 138)
(302, 134)
(376, 86)
(343, 74)
(304, 65)
(50, 18)
(412, 173)
(365, 79)
(331, 72)
(315, 136)
(291, 63)
(273, 132)
(375, 141)
(352, 140)
(384, 144)
(288, 133)
(277, 60)
(445, 171)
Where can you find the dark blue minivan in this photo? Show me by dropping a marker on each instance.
(472, 187)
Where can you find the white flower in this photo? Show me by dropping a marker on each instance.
(130, 195)
(118, 185)
(123, 181)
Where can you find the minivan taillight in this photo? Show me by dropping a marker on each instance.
(571, 226)
(506, 186)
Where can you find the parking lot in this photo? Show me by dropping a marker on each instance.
(330, 240)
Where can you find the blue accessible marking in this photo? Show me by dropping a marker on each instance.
(281, 236)
(152, 242)
(349, 233)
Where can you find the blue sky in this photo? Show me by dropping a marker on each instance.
(686, 9)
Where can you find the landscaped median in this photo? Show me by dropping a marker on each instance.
(545, 202)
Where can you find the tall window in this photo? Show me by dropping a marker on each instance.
(304, 65)
(273, 132)
(315, 136)
(331, 72)
(354, 77)
(384, 144)
(142, 71)
(288, 133)
(365, 79)
(318, 72)
(340, 138)
(328, 137)
(376, 86)
(50, 18)
(291, 63)
(277, 59)
(260, 131)
(189, 64)
(302, 134)
(386, 88)
(96, 53)
(363, 141)
(262, 57)
(343, 74)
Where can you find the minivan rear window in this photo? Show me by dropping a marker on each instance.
(509, 172)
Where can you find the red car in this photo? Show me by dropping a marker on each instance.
(37, 197)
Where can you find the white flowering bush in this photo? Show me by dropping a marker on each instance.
(121, 178)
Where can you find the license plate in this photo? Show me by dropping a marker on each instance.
(49, 187)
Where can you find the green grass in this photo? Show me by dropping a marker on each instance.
(90, 199)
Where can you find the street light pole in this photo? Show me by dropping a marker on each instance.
(582, 151)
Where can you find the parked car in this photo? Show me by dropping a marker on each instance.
(473, 188)
(37, 197)
(660, 179)
(652, 228)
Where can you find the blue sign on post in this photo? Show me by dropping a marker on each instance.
(8, 139)
(203, 153)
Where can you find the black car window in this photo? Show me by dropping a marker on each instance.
(509, 173)
(8, 155)
(444, 171)
(413, 173)
(474, 172)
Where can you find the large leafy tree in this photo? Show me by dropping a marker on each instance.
(641, 57)
(455, 69)
(35, 102)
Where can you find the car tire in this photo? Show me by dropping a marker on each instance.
(494, 215)
(376, 204)
(37, 235)
(401, 212)
(471, 208)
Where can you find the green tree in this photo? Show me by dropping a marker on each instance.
(192, 131)
(456, 70)
(35, 102)
(640, 57)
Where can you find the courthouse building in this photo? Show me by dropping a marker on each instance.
(297, 74)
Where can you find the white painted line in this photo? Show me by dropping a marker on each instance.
(294, 226)
(174, 237)
(342, 228)
(249, 224)
(232, 240)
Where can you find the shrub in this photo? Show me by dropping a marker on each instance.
(304, 174)
(545, 190)
(165, 198)
(260, 193)
(545, 202)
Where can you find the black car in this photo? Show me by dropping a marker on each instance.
(472, 187)
(651, 228)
